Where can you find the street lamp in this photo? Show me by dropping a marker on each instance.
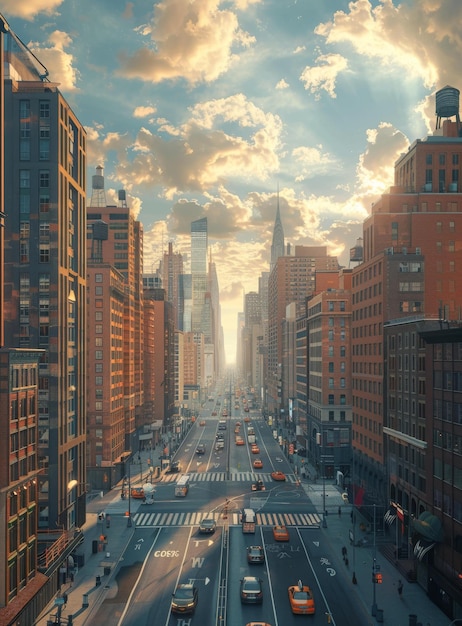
(319, 442)
(129, 520)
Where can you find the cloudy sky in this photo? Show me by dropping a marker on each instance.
(206, 107)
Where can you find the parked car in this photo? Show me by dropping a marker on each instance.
(185, 598)
(255, 554)
(301, 599)
(278, 475)
(280, 533)
(251, 590)
(207, 526)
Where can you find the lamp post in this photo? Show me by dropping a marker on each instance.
(319, 442)
(375, 580)
(129, 520)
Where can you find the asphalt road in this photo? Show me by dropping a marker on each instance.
(160, 557)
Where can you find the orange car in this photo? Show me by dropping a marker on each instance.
(255, 450)
(137, 493)
(239, 441)
(301, 599)
(258, 464)
(278, 476)
(280, 533)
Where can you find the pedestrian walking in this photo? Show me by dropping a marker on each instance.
(339, 512)
(344, 552)
(400, 588)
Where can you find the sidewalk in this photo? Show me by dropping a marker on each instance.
(391, 608)
(80, 598)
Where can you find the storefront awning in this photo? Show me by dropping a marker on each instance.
(429, 527)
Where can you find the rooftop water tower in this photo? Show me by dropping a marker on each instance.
(447, 105)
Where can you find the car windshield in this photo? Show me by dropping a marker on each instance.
(251, 585)
(207, 522)
(302, 595)
(183, 594)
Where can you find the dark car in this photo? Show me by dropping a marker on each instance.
(200, 449)
(251, 590)
(207, 526)
(185, 599)
(255, 554)
(174, 467)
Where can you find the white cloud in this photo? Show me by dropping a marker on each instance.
(59, 63)
(324, 76)
(420, 38)
(144, 111)
(282, 84)
(27, 9)
(195, 41)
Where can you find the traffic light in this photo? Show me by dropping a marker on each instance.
(377, 578)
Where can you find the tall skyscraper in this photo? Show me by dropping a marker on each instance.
(292, 279)
(123, 250)
(45, 274)
(44, 313)
(172, 268)
(199, 243)
(277, 245)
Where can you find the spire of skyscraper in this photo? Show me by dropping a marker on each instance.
(277, 245)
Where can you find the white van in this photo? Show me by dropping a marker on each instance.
(182, 486)
(248, 519)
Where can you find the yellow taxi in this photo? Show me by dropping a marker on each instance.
(278, 476)
(280, 533)
(301, 599)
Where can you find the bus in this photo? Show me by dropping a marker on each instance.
(182, 486)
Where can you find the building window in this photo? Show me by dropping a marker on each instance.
(44, 202)
(44, 253)
(44, 179)
(98, 278)
(98, 316)
(451, 246)
(98, 329)
(331, 367)
(44, 282)
(342, 398)
(98, 355)
(98, 290)
(331, 416)
(331, 398)
(330, 305)
(331, 383)
(428, 159)
(98, 342)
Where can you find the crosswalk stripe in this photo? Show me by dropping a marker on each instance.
(194, 519)
(222, 476)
